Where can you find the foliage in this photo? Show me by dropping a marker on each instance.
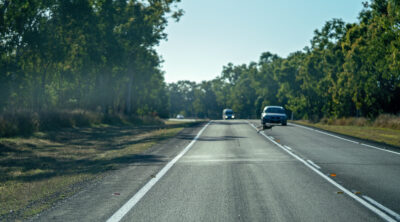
(349, 70)
(95, 55)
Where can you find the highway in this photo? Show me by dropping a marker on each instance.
(231, 171)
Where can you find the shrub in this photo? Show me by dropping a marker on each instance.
(387, 121)
(361, 121)
(55, 120)
(383, 120)
(7, 128)
(26, 123)
(85, 118)
(22, 123)
(113, 119)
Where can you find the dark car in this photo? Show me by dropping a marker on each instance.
(228, 114)
(272, 115)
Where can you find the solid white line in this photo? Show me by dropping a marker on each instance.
(389, 211)
(355, 197)
(301, 126)
(121, 212)
(287, 147)
(338, 137)
(252, 125)
(351, 141)
(315, 165)
(374, 147)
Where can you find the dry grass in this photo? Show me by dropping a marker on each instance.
(387, 121)
(352, 121)
(370, 131)
(383, 121)
(37, 171)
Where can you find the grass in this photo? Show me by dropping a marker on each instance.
(371, 131)
(37, 171)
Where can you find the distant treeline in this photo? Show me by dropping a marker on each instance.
(350, 70)
(81, 61)
(95, 55)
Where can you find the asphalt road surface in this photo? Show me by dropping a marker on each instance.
(233, 172)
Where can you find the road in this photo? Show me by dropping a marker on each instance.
(231, 172)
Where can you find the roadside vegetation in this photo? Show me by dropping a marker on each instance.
(384, 129)
(37, 171)
(348, 70)
(97, 57)
(82, 90)
(27, 123)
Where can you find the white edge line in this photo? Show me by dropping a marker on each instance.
(363, 144)
(287, 147)
(313, 164)
(389, 211)
(355, 197)
(374, 147)
(121, 212)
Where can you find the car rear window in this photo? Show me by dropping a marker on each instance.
(275, 110)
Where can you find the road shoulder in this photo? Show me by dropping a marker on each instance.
(364, 140)
(101, 199)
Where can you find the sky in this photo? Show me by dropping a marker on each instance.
(213, 33)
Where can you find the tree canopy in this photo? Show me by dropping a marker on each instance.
(100, 55)
(348, 70)
(83, 54)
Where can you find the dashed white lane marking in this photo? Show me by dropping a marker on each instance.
(387, 210)
(338, 137)
(287, 147)
(313, 164)
(121, 212)
(366, 204)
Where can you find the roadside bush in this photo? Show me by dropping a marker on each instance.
(361, 121)
(64, 119)
(55, 120)
(354, 121)
(325, 121)
(387, 121)
(7, 128)
(113, 119)
(149, 120)
(25, 123)
(383, 120)
(82, 118)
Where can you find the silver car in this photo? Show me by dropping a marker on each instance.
(273, 115)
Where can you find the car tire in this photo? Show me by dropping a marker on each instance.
(284, 123)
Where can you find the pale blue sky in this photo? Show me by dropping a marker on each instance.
(213, 33)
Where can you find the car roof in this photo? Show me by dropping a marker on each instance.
(280, 107)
